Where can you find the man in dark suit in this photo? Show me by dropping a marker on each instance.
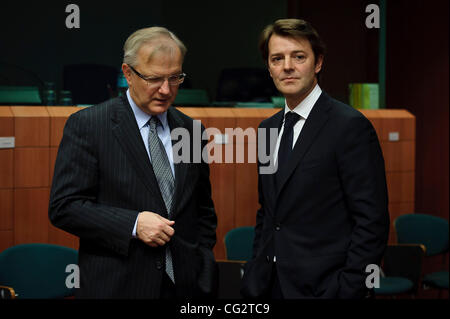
(146, 221)
(323, 214)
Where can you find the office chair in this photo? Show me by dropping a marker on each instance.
(239, 243)
(432, 232)
(37, 271)
(245, 85)
(90, 83)
(230, 277)
(401, 270)
(239, 249)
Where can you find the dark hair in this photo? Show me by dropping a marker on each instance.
(291, 28)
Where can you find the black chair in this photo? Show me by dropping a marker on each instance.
(230, 276)
(245, 85)
(402, 270)
(433, 233)
(90, 83)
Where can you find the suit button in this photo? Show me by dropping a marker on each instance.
(277, 227)
(268, 259)
(159, 265)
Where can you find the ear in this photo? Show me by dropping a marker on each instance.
(319, 63)
(127, 73)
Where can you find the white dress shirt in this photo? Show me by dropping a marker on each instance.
(303, 109)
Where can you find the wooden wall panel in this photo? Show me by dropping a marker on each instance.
(197, 113)
(246, 194)
(393, 120)
(6, 155)
(31, 167)
(399, 156)
(223, 195)
(400, 121)
(6, 209)
(234, 185)
(400, 186)
(247, 172)
(6, 180)
(31, 126)
(222, 179)
(6, 168)
(6, 239)
(6, 121)
(31, 215)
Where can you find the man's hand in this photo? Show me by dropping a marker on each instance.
(153, 229)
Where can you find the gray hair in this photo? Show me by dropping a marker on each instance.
(145, 36)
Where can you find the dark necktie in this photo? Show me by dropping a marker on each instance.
(286, 140)
(164, 176)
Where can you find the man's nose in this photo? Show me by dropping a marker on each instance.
(288, 63)
(164, 88)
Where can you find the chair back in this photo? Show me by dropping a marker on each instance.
(90, 83)
(230, 277)
(37, 271)
(245, 85)
(428, 230)
(239, 243)
(404, 261)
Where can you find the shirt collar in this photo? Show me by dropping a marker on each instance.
(142, 118)
(304, 107)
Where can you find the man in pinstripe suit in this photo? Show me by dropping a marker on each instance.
(146, 223)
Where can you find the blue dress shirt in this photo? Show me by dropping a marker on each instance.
(142, 120)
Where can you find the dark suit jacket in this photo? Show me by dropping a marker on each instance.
(103, 178)
(329, 218)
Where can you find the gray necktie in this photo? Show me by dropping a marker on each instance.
(164, 176)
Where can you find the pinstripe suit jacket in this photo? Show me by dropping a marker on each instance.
(103, 178)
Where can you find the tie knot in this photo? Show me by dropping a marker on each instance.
(290, 119)
(154, 122)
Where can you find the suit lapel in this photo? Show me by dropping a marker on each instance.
(268, 180)
(126, 131)
(181, 168)
(313, 124)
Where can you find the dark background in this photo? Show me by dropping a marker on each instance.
(217, 34)
(221, 34)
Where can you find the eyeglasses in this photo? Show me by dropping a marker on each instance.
(158, 81)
